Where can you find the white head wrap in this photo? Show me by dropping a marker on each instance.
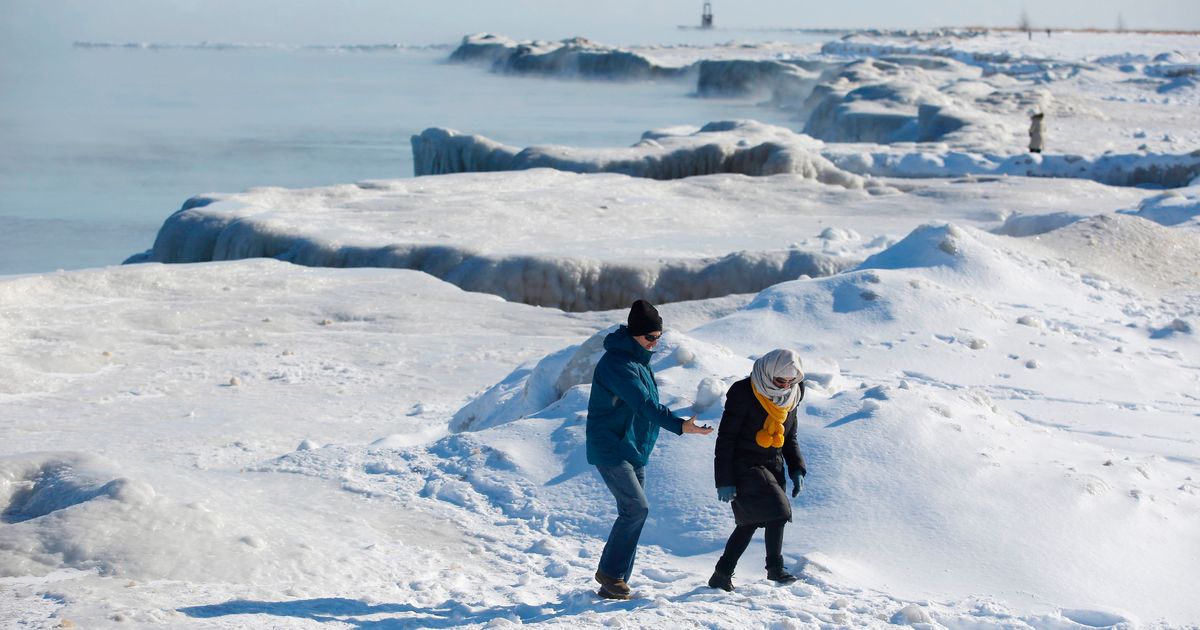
(778, 363)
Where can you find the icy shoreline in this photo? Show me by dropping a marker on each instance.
(1001, 369)
(738, 147)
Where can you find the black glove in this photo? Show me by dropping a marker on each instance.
(797, 483)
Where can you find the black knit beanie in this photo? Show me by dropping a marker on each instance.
(643, 318)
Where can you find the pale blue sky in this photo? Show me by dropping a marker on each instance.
(611, 21)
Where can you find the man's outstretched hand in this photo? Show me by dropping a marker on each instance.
(690, 426)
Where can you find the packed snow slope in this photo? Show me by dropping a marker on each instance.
(897, 104)
(985, 415)
(582, 242)
(1000, 430)
(132, 400)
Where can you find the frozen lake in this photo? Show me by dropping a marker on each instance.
(102, 143)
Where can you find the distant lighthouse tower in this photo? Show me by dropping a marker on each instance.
(706, 16)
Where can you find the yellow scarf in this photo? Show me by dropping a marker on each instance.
(772, 432)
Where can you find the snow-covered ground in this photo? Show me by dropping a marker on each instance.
(1002, 427)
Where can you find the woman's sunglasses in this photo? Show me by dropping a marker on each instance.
(781, 382)
(651, 337)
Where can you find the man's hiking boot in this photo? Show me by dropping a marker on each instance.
(612, 588)
(607, 594)
(779, 575)
(721, 581)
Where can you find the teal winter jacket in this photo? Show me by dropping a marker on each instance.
(624, 414)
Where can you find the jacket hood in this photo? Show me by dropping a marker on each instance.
(621, 341)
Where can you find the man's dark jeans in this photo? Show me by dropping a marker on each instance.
(627, 484)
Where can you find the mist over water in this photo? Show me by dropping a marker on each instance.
(100, 144)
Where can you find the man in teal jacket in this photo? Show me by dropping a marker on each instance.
(624, 417)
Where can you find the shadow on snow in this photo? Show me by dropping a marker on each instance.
(448, 615)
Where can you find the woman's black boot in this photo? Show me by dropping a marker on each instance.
(721, 581)
(776, 573)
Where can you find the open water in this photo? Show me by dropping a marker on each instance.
(98, 145)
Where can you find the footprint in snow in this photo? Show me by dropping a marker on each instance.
(659, 575)
(1094, 618)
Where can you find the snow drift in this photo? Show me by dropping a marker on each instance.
(74, 510)
(1176, 208)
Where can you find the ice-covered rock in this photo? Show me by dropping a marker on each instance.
(785, 81)
(452, 228)
(743, 147)
(438, 151)
(1134, 169)
(576, 57)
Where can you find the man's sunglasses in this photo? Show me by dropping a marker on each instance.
(784, 382)
(651, 337)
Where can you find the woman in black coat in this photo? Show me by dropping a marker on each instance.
(756, 438)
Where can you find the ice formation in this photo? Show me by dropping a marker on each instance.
(388, 224)
(757, 149)
(743, 147)
(935, 108)
(574, 57)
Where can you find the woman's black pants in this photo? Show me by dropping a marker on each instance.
(740, 539)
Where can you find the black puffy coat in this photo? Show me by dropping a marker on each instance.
(756, 472)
